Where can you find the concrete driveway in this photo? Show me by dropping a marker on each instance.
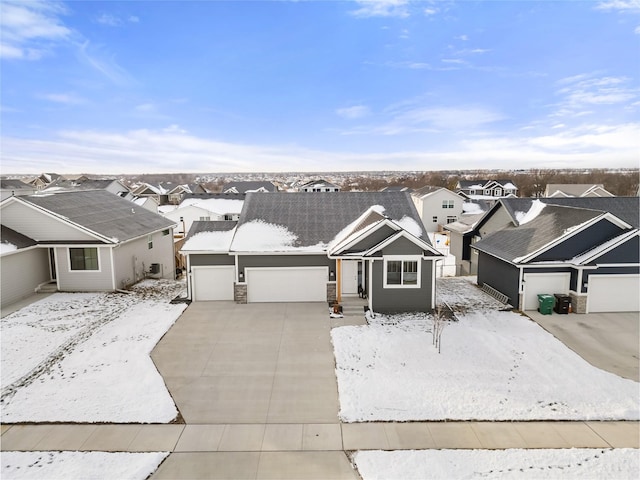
(609, 341)
(251, 364)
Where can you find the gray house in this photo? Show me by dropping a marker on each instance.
(311, 247)
(80, 241)
(587, 248)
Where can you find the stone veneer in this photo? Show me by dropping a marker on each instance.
(240, 292)
(578, 303)
(331, 292)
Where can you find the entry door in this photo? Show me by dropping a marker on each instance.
(52, 263)
(349, 277)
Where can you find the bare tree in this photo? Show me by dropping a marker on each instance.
(439, 321)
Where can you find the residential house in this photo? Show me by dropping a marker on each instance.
(576, 190)
(10, 187)
(489, 190)
(313, 247)
(318, 186)
(397, 188)
(157, 192)
(249, 187)
(83, 182)
(80, 241)
(437, 206)
(587, 248)
(179, 192)
(43, 180)
(203, 207)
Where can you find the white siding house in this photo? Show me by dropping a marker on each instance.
(437, 207)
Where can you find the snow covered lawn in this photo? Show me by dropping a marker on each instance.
(79, 465)
(579, 464)
(493, 366)
(85, 357)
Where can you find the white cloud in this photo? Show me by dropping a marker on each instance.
(381, 8)
(637, 30)
(115, 21)
(65, 98)
(354, 112)
(619, 5)
(96, 58)
(30, 28)
(582, 93)
(430, 11)
(464, 38)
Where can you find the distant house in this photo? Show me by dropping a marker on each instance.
(490, 190)
(80, 241)
(249, 187)
(318, 186)
(43, 180)
(11, 187)
(179, 192)
(461, 233)
(204, 207)
(397, 188)
(84, 182)
(316, 248)
(587, 248)
(437, 206)
(576, 190)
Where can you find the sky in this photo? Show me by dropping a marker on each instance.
(278, 86)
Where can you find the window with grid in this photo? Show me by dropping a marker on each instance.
(447, 204)
(402, 273)
(83, 258)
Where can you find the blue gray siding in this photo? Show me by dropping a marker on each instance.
(628, 252)
(581, 242)
(500, 275)
(372, 239)
(396, 300)
(212, 259)
(321, 260)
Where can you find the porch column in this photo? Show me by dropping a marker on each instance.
(338, 280)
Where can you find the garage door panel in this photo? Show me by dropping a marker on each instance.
(213, 283)
(537, 283)
(613, 293)
(287, 284)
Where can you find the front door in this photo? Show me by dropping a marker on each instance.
(52, 263)
(349, 278)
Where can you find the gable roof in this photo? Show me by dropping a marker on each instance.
(82, 183)
(247, 187)
(14, 184)
(466, 184)
(209, 237)
(311, 221)
(100, 212)
(576, 190)
(14, 238)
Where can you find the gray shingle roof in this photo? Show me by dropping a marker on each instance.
(211, 226)
(244, 187)
(553, 222)
(11, 236)
(317, 218)
(102, 212)
(14, 184)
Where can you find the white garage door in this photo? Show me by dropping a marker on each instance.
(613, 293)
(213, 283)
(537, 283)
(287, 284)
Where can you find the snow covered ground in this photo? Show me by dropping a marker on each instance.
(579, 464)
(79, 465)
(84, 357)
(493, 366)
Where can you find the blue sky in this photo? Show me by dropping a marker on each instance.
(237, 86)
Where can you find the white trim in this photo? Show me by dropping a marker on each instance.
(71, 271)
(370, 290)
(613, 244)
(613, 265)
(402, 233)
(189, 286)
(354, 237)
(18, 250)
(113, 270)
(433, 283)
(402, 259)
(275, 252)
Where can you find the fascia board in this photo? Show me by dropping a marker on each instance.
(65, 220)
(620, 240)
(355, 237)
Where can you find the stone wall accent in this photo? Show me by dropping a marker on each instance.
(240, 292)
(578, 303)
(331, 293)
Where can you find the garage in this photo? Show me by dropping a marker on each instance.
(213, 283)
(287, 284)
(537, 283)
(613, 293)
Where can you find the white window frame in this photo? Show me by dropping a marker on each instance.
(149, 241)
(71, 270)
(402, 258)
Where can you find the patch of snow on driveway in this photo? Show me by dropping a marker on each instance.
(493, 366)
(85, 357)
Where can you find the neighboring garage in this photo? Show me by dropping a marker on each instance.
(213, 282)
(613, 293)
(287, 284)
(549, 283)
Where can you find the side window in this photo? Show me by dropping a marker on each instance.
(83, 258)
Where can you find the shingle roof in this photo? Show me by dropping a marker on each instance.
(19, 240)
(552, 223)
(101, 212)
(316, 218)
(14, 184)
(211, 226)
(244, 187)
(86, 184)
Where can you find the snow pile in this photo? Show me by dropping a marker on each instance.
(6, 247)
(85, 358)
(538, 464)
(216, 205)
(79, 465)
(410, 225)
(525, 217)
(260, 236)
(210, 241)
(471, 208)
(493, 366)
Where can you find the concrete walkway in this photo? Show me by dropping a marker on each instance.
(256, 387)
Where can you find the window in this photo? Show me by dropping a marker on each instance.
(402, 273)
(451, 219)
(165, 232)
(434, 219)
(150, 242)
(205, 219)
(497, 192)
(83, 258)
(447, 204)
(487, 192)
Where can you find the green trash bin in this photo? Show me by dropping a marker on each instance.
(545, 303)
